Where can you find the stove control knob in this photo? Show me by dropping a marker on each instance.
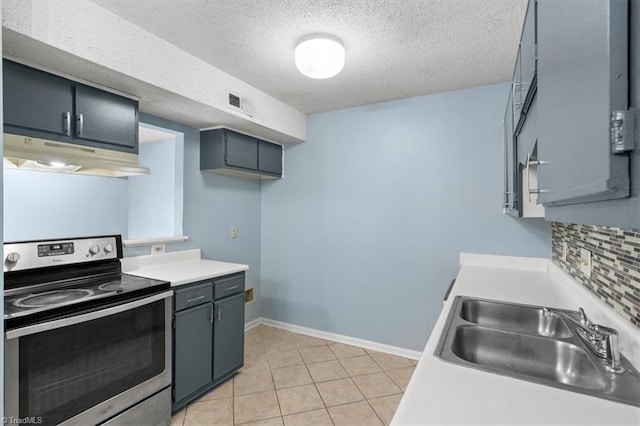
(12, 258)
(108, 248)
(94, 249)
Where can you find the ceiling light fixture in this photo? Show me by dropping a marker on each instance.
(320, 56)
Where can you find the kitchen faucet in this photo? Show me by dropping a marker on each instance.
(602, 340)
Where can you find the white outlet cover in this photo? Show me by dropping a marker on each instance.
(585, 262)
(565, 250)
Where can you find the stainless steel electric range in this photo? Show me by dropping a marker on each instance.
(85, 344)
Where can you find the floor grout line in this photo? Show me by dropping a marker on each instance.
(262, 350)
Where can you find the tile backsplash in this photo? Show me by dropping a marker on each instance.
(615, 259)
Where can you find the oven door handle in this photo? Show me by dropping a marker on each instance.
(64, 322)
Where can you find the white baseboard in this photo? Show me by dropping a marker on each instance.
(251, 324)
(367, 344)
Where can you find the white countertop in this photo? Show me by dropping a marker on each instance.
(443, 393)
(179, 268)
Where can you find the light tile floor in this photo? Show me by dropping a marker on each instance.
(295, 380)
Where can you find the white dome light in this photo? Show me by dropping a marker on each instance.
(320, 56)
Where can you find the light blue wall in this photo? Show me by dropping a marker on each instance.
(152, 198)
(362, 235)
(212, 205)
(39, 205)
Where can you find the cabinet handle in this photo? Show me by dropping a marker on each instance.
(80, 124)
(67, 123)
(219, 316)
(195, 299)
(535, 163)
(211, 317)
(231, 288)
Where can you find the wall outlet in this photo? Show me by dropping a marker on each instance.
(158, 248)
(585, 262)
(565, 250)
(234, 232)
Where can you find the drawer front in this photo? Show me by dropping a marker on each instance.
(228, 286)
(194, 295)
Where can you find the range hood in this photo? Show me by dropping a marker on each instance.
(27, 153)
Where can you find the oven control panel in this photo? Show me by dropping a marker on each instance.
(55, 249)
(38, 254)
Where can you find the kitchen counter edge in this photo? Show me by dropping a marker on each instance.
(443, 393)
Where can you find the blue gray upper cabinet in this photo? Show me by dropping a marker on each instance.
(528, 58)
(41, 105)
(510, 194)
(582, 79)
(106, 119)
(227, 152)
(240, 151)
(270, 158)
(36, 103)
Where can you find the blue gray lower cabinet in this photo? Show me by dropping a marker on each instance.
(228, 336)
(193, 355)
(208, 336)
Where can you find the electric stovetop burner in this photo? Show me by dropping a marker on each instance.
(23, 302)
(112, 286)
(56, 297)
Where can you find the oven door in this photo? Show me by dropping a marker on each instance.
(86, 368)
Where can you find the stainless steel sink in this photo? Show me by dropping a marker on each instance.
(523, 319)
(532, 343)
(515, 353)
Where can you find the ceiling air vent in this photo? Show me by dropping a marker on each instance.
(242, 104)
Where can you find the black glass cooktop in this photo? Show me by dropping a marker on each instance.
(44, 297)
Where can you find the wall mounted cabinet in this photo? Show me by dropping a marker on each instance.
(41, 105)
(510, 194)
(36, 103)
(526, 70)
(582, 82)
(620, 212)
(519, 127)
(227, 152)
(573, 127)
(106, 118)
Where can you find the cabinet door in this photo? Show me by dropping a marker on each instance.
(510, 200)
(192, 350)
(269, 157)
(518, 98)
(35, 101)
(526, 141)
(228, 336)
(528, 55)
(241, 151)
(582, 79)
(108, 120)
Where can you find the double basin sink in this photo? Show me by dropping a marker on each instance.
(532, 343)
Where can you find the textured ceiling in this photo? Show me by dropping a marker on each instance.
(395, 48)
